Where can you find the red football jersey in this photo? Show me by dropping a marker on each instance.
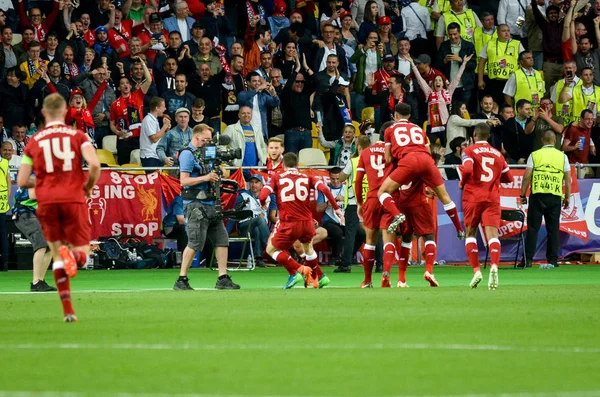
(405, 137)
(274, 169)
(483, 184)
(292, 189)
(56, 155)
(129, 112)
(372, 163)
(413, 194)
(117, 38)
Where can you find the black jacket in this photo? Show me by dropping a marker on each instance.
(466, 48)
(341, 54)
(516, 143)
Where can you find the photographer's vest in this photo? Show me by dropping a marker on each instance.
(566, 109)
(466, 20)
(481, 38)
(529, 87)
(581, 101)
(502, 58)
(352, 178)
(548, 171)
(4, 207)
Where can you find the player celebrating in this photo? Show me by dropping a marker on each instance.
(483, 168)
(292, 189)
(55, 154)
(372, 163)
(407, 143)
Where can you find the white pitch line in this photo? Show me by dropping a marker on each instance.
(8, 393)
(276, 347)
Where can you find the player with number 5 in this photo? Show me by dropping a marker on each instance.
(292, 189)
(483, 169)
(55, 153)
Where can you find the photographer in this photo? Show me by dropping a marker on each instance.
(199, 199)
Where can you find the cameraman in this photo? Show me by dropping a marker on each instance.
(199, 198)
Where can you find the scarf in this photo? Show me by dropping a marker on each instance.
(70, 71)
(251, 12)
(438, 109)
(344, 112)
(31, 67)
(392, 104)
(221, 51)
(39, 33)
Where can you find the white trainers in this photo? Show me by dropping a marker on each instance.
(402, 285)
(477, 277)
(493, 280)
(430, 278)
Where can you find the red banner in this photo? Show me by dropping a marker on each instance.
(572, 219)
(126, 204)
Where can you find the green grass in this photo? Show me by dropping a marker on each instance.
(537, 335)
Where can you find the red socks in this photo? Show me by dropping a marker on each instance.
(389, 256)
(63, 286)
(495, 248)
(473, 253)
(312, 261)
(284, 259)
(430, 253)
(368, 261)
(80, 258)
(453, 214)
(403, 265)
(389, 204)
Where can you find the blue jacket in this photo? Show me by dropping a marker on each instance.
(246, 98)
(171, 24)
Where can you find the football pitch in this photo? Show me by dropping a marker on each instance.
(538, 335)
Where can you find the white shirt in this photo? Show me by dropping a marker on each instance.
(335, 22)
(256, 121)
(370, 64)
(184, 29)
(412, 25)
(150, 127)
(6, 5)
(569, 90)
(509, 11)
(510, 88)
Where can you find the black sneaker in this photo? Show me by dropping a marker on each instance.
(41, 286)
(378, 268)
(524, 264)
(182, 284)
(342, 269)
(259, 262)
(224, 282)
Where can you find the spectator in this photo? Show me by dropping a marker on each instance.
(41, 27)
(260, 96)
(88, 59)
(266, 64)
(193, 43)
(102, 47)
(359, 8)
(457, 124)
(3, 131)
(154, 40)
(588, 97)
(487, 105)
(259, 227)
(14, 110)
(61, 85)
(233, 84)
(286, 59)
(165, 77)
(386, 37)
(197, 116)
(49, 53)
(9, 153)
(175, 139)
(516, 134)
(577, 143)
(135, 11)
(82, 26)
(368, 59)
(145, 26)
(567, 85)
(483, 34)
(205, 56)
(216, 23)
(336, 8)
(451, 55)
(180, 22)
(100, 14)
(274, 156)
(274, 115)
(343, 148)
(331, 222)
(512, 13)
(126, 115)
(515, 88)
(369, 21)
(461, 16)
(296, 110)
(284, 34)
(178, 51)
(69, 65)
(348, 50)
(8, 56)
(30, 67)
(277, 20)
(21, 48)
(388, 99)
(179, 98)
(173, 225)
(535, 39)
(416, 23)
(588, 57)
(326, 48)
(19, 138)
(152, 132)
(500, 58)
(245, 137)
(349, 33)
(139, 77)
(455, 157)
(205, 85)
(120, 34)
(257, 40)
(552, 28)
(545, 120)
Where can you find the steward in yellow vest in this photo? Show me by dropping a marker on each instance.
(584, 96)
(482, 35)
(565, 87)
(525, 83)
(467, 20)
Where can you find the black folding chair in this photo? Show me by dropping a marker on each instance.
(245, 239)
(512, 216)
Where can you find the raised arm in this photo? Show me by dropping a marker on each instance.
(566, 33)
(147, 77)
(422, 83)
(320, 186)
(461, 70)
(97, 96)
(322, 141)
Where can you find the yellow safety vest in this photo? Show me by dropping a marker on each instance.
(582, 101)
(481, 39)
(502, 58)
(466, 20)
(529, 87)
(4, 207)
(565, 110)
(352, 178)
(548, 171)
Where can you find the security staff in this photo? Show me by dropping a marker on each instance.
(547, 169)
(5, 183)
(202, 219)
(525, 83)
(24, 215)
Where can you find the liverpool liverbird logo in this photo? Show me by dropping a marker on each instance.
(149, 203)
(570, 213)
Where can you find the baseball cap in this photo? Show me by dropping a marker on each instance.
(384, 21)
(197, 25)
(345, 14)
(389, 58)
(76, 92)
(342, 81)
(423, 58)
(154, 17)
(257, 177)
(296, 11)
(181, 110)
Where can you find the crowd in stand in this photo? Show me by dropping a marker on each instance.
(148, 71)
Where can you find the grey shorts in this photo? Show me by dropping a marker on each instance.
(29, 225)
(200, 225)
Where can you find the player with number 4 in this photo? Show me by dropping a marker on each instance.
(55, 154)
(483, 169)
(292, 189)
